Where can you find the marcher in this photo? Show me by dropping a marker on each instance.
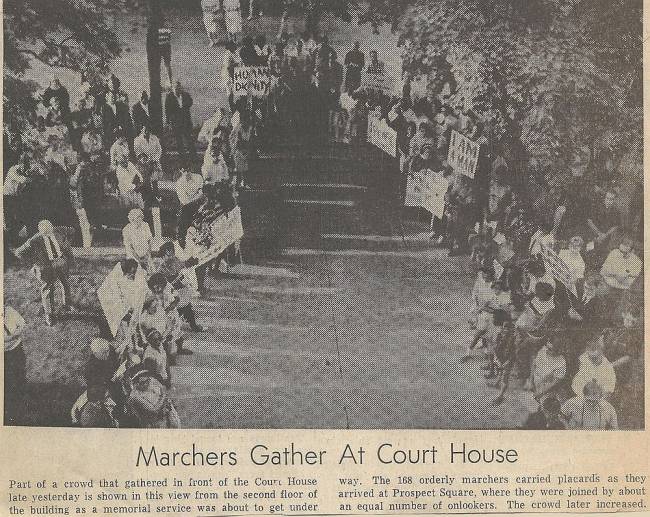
(215, 168)
(169, 299)
(155, 357)
(120, 151)
(138, 240)
(177, 109)
(129, 184)
(151, 197)
(189, 189)
(58, 91)
(179, 277)
(241, 145)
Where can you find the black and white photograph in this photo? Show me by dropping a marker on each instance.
(323, 214)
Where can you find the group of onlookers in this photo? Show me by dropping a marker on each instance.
(557, 299)
(557, 303)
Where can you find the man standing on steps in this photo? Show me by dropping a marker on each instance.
(189, 189)
(179, 119)
(52, 254)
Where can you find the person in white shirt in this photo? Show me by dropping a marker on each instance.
(621, 267)
(149, 144)
(17, 177)
(220, 119)
(548, 371)
(129, 180)
(138, 239)
(589, 411)
(15, 364)
(189, 189)
(215, 169)
(213, 19)
(119, 151)
(595, 366)
(572, 257)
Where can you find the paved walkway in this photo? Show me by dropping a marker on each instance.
(358, 340)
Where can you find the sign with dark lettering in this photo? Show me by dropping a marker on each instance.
(253, 80)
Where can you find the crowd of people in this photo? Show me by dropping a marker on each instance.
(576, 343)
(558, 299)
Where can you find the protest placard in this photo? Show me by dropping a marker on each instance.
(381, 78)
(118, 296)
(225, 230)
(253, 80)
(382, 135)
(558, 268)
(427, 189)
(463, 154)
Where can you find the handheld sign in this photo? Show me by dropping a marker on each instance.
(382, 135)
(253, 80)
(225, 230)
(463, 154)
(427, 189)
(559, 269)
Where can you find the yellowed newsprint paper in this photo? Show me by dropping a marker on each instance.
(326, 257)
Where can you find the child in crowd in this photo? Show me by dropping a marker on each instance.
(168, 299)
(530, 325)
(180, 279)
(503, 356)
(498, 297)
(155, 357)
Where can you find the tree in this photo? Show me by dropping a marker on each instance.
(538, 68)
(67, 33)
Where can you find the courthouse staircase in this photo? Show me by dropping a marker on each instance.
(336, 198)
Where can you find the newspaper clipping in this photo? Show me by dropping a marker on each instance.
(352, 257)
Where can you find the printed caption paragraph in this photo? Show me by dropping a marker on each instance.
(372, 493)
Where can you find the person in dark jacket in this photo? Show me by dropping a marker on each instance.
(546, 417)
(177, 108)
(141, 115)
(355, 60)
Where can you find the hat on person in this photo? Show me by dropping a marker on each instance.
(135, 215)
(100, 348)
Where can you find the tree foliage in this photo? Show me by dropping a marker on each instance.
(557, 72)
(67, 33)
